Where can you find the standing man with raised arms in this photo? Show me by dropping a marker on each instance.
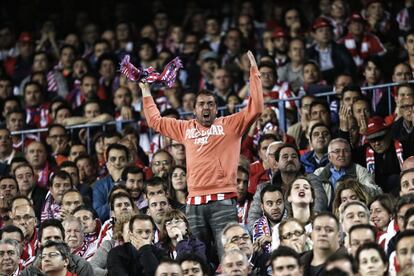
(212, 148)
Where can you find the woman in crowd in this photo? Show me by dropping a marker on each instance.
(176, 238)
(371, 260)
(177, 187)
(347, 190)
(292, 234)
(300, 199)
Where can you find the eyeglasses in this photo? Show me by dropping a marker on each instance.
(289, 235)
(24, 218)
(406, 107)
(236, 239)
(338, 151)
(163, 162)
(173, 222)
(51, 255)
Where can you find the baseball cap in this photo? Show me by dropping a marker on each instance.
(320, 22)
(356, 17)
(376, 127)
(25, 37)
(209, 55)
(279, 32)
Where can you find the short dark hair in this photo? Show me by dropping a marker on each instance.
(318, 124)
(61, 174)
(119, 195)
(387, 201)
(51, 223)
(31, 83)
(193, 257)
(155, 181)
(85, 208)
(284, 251)
(408, 214)
(23, 165)
(269, 65)
(206, 93)
(140, 217)
(402, 235)
(363, 226)
(54, 126)
(341, 255)
(68, 164)
(404, 200)
(11, 229)
(131, 170)
(353, 88)
(88, 75)
(329, 215)
(404, 172)
(117, 147)
(277, 153)
(319, 102)
(269, 188)
(267, 136)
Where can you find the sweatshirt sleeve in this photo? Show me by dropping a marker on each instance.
(166, 126)
(254, 107)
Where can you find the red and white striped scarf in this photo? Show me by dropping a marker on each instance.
(149, 74)
(370, 156)
(51, 209)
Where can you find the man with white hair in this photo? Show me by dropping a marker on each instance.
(74, 236)
(234, 262)
(340, 165)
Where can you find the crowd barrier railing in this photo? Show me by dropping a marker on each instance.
(279, 103)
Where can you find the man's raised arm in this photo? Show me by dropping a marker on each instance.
(166, 126)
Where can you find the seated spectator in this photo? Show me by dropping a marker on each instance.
(36, 155)
(27, 187)
(300, 198)
(15, 233)
(332, 57)
(117, 158)
(134, 182)
(74, 236)
(382, 211)
(71, 199)
(87, 169)
(167, 266)
(52, 230)
(347, 190)
(382, 155)
(161, 163)
(58, 141)
(371, 260)
(192, 264)
(121, 205)
(91, 227)
(59, 183)
(244, 199)
(325, 237)
(8, 190)
(175, 236)
(235, 236)
(55, 258)
(291, 233)
(158, 206)
(352, 213)
(292, 72)
(235, 261)
(360, 234)
(10, 252)
(404, 251)
(177, 187)
(84, 189)
(342, 261)
(340, 164)
(139, 256)
(319, 138)
(286, 260)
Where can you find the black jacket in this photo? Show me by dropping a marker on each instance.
(125, 260)
(341, 59)
(38, 198)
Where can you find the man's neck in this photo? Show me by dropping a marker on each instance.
(5, 155)
(320, 256)
(323, 46)
(288, 178)
(58, 273)
(319, 154)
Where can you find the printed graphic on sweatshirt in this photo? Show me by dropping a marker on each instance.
(201, 136)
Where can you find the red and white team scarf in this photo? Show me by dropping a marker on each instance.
(149, 74)
(370, 158)
(243, 211)
(106, 231)
(51, 209)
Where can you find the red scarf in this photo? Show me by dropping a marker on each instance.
(370, 158)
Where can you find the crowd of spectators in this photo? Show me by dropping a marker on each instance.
(184, 180)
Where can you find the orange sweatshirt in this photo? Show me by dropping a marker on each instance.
(212, 154)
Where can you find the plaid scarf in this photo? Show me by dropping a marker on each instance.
(149, 74)
(370, 157)
(51, 209)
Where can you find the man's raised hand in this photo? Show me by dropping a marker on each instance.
(251, 59)
(145, 88)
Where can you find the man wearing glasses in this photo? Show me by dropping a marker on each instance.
(235, 236)
(340, 166)
(23, 216)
